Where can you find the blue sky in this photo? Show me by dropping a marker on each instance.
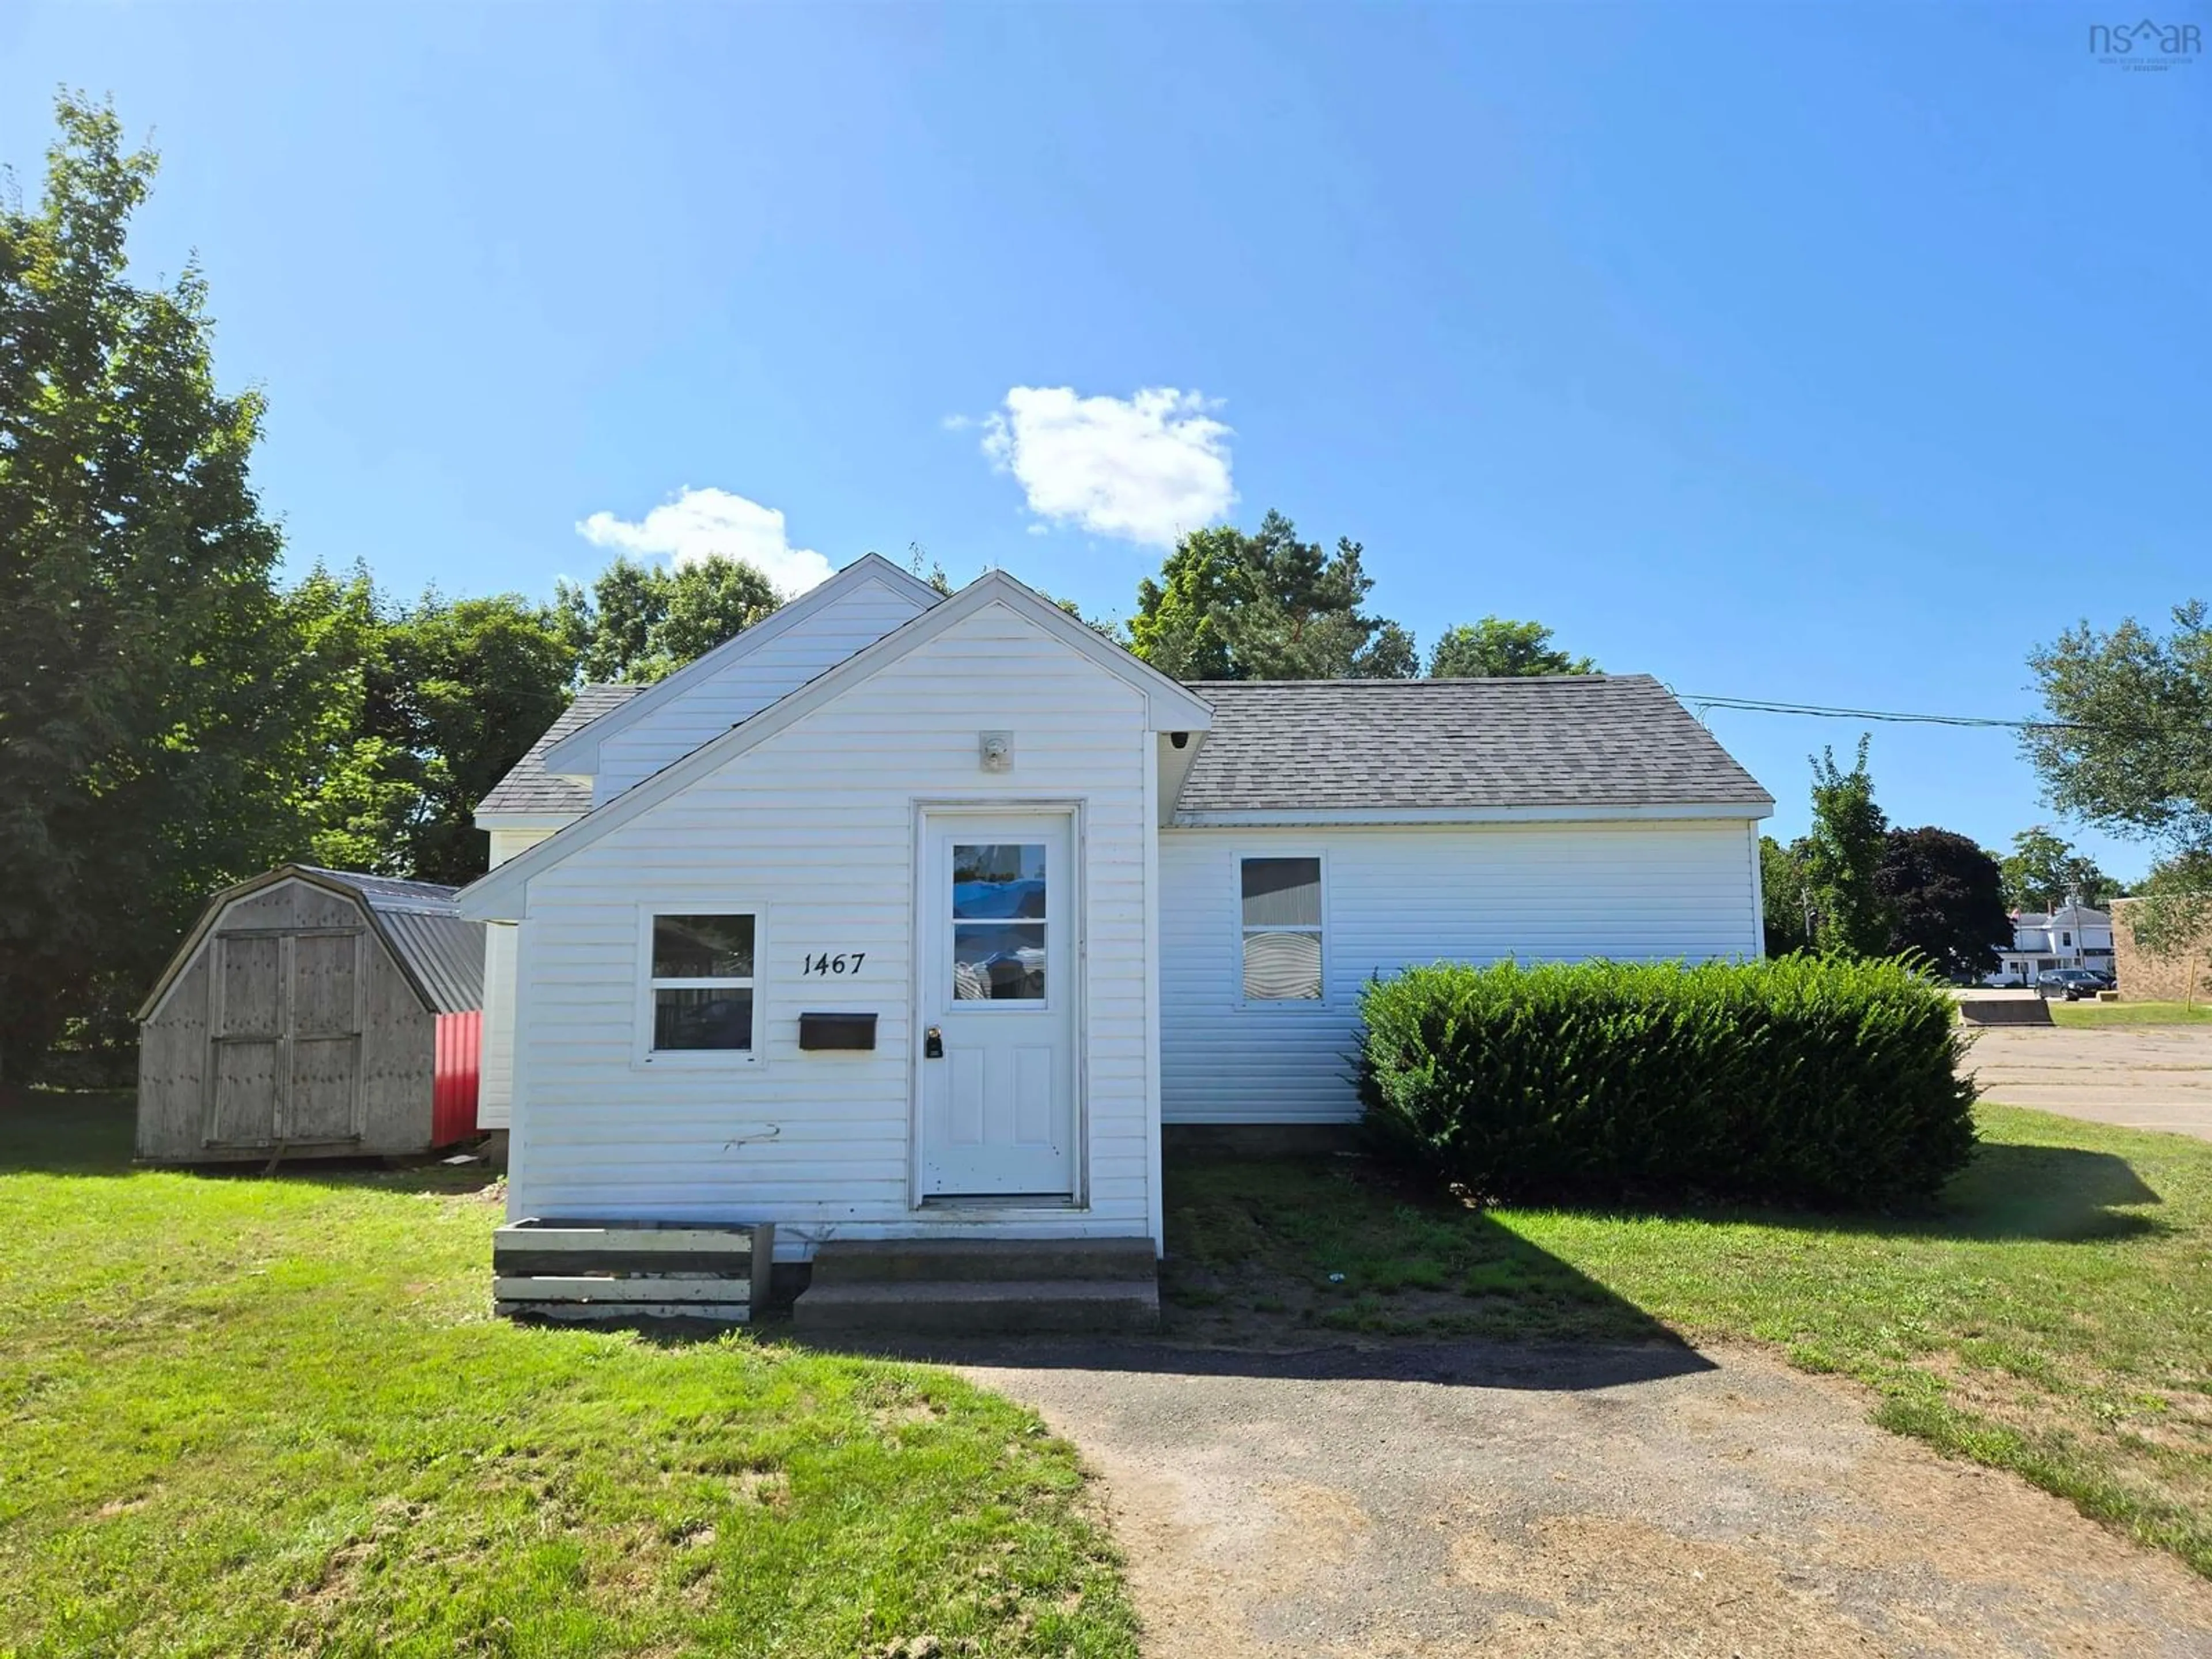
(1829, 354)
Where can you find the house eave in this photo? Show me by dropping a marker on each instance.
(502, 895)
(525, 820)
(579, 752)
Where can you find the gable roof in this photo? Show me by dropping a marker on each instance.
(582, 755)
(1168, 706)
(529, 788)
(1584, 745)
(438, 951)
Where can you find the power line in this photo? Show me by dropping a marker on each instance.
(1760, 705)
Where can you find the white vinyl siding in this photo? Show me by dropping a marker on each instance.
(752, 681)
(1397, 895)
(820, 818)
(496, 1053)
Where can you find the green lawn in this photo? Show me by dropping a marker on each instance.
(2054, 1317)
(244, 1416)
(250, 1416)
(2130, 1013)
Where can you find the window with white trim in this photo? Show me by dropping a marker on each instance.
(1282, 927)
(700, 995)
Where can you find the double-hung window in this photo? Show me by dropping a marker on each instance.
(1282, 928)
(699, 992)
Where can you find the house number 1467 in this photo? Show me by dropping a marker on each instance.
(826, 964)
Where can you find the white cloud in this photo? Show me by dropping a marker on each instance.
(698, 523)
(1142, 469)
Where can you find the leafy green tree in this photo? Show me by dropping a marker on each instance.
(1781, 895)
(1495, 648)
(2042, 868)
(927, 569)
(2186, 872)
(2171, 920)
(2131, 746)
(360, 790)
(1265, 605)
(1179, 626)
(152, 723)
(1841, 857)
(640, 621)
(474, 684)
(433, 703)
(1945, 897)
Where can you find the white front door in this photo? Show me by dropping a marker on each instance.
(997, 912)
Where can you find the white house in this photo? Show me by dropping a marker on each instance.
(907, 917)
(2071, 936)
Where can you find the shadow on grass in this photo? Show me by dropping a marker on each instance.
(2010, 1191)
(1468, 1362)
(92, 1133)
(2059, 1195)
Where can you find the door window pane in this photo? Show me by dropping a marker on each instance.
(997, 962)
(1282, 892)
(1282, 967)
(702, 947)
(998, 881)
(716, 1017)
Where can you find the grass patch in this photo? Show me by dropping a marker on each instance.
(2052, 1316)
(247, 1416)
(2130, 1013)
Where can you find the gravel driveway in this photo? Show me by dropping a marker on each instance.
(1473, 1498)
(2142, 1076)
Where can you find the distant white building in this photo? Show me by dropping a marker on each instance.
(2072, 936)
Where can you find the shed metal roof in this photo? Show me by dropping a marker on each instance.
(1563, 740)
(528, 786)
(440, 951)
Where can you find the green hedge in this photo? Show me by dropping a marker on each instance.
(1806, 1079)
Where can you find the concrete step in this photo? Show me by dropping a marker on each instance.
(978, 1307)
(908, 1260)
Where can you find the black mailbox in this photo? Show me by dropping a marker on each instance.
(837, 1030)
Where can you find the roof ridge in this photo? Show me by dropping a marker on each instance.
(1447, 679)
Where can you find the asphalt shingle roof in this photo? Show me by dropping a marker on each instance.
(1553, 740)
(529, 788)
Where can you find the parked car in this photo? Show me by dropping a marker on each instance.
(2075, 984)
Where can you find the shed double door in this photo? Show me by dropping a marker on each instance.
(285, 1035)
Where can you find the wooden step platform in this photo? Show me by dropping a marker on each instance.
(557, 1268)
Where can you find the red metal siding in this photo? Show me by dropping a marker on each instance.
(454, 1085)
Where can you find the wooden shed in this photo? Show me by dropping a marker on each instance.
(314, 1014)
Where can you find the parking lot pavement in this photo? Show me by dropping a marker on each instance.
(2141, 1077)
